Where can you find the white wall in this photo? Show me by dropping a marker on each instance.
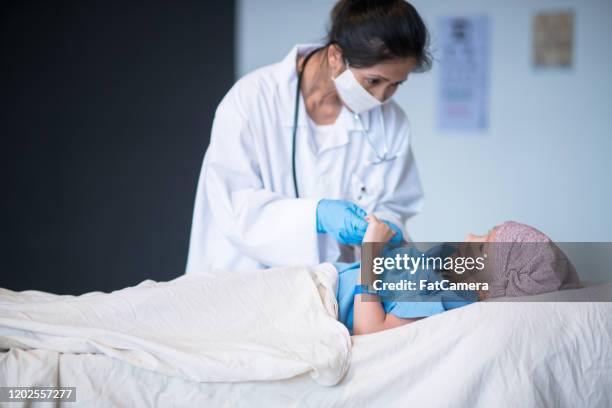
(546, 158)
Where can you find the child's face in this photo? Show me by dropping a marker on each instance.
(488, 237)
(475, 247)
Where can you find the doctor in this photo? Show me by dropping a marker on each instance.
(303, 149)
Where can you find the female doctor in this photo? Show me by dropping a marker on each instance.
(303, 149)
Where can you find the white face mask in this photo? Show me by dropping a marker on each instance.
(354, 96)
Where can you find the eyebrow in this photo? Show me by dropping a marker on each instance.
(386, 79)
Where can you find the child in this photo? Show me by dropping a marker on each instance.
(522, 261)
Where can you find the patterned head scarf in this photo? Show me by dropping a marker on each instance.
(524, 261)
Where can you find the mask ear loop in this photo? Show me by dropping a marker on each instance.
(347, 67)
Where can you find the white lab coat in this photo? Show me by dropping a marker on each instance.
(246, 214)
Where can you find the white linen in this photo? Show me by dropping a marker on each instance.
(257, 325)
(483, 355)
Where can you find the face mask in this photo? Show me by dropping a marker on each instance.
(354, 96)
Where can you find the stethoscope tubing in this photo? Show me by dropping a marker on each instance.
(295, 120)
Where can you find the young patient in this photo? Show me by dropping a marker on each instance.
(521, 261)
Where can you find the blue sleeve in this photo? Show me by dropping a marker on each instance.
(348, 274)
(423, 302)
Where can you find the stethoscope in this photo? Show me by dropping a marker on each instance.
(379, 158)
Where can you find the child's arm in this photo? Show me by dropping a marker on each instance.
(368, 313)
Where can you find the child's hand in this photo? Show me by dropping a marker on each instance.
(378, 231)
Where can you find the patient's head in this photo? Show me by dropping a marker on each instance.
(523, 261)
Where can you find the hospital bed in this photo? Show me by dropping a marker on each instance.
(549, 351)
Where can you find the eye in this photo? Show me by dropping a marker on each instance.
(400, 83)
(372, 81)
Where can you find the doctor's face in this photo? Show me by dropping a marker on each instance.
(380, 80)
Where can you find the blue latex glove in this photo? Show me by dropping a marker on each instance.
(398, 237)
(342, 220)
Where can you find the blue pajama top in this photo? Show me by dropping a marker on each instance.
(413, 304)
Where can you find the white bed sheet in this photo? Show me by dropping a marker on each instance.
(486, 354)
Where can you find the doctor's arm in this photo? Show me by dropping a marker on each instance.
(268, 226)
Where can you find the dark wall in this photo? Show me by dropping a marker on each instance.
(106, 114)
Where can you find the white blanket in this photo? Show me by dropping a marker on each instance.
(257, 325)
(487, 354)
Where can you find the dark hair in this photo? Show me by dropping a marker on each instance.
(371, 31)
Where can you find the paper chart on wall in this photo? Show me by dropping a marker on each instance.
(464, 73)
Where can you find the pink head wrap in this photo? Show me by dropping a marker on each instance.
(524, 261)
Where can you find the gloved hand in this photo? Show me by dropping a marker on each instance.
(342, 220)
(398, 237)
